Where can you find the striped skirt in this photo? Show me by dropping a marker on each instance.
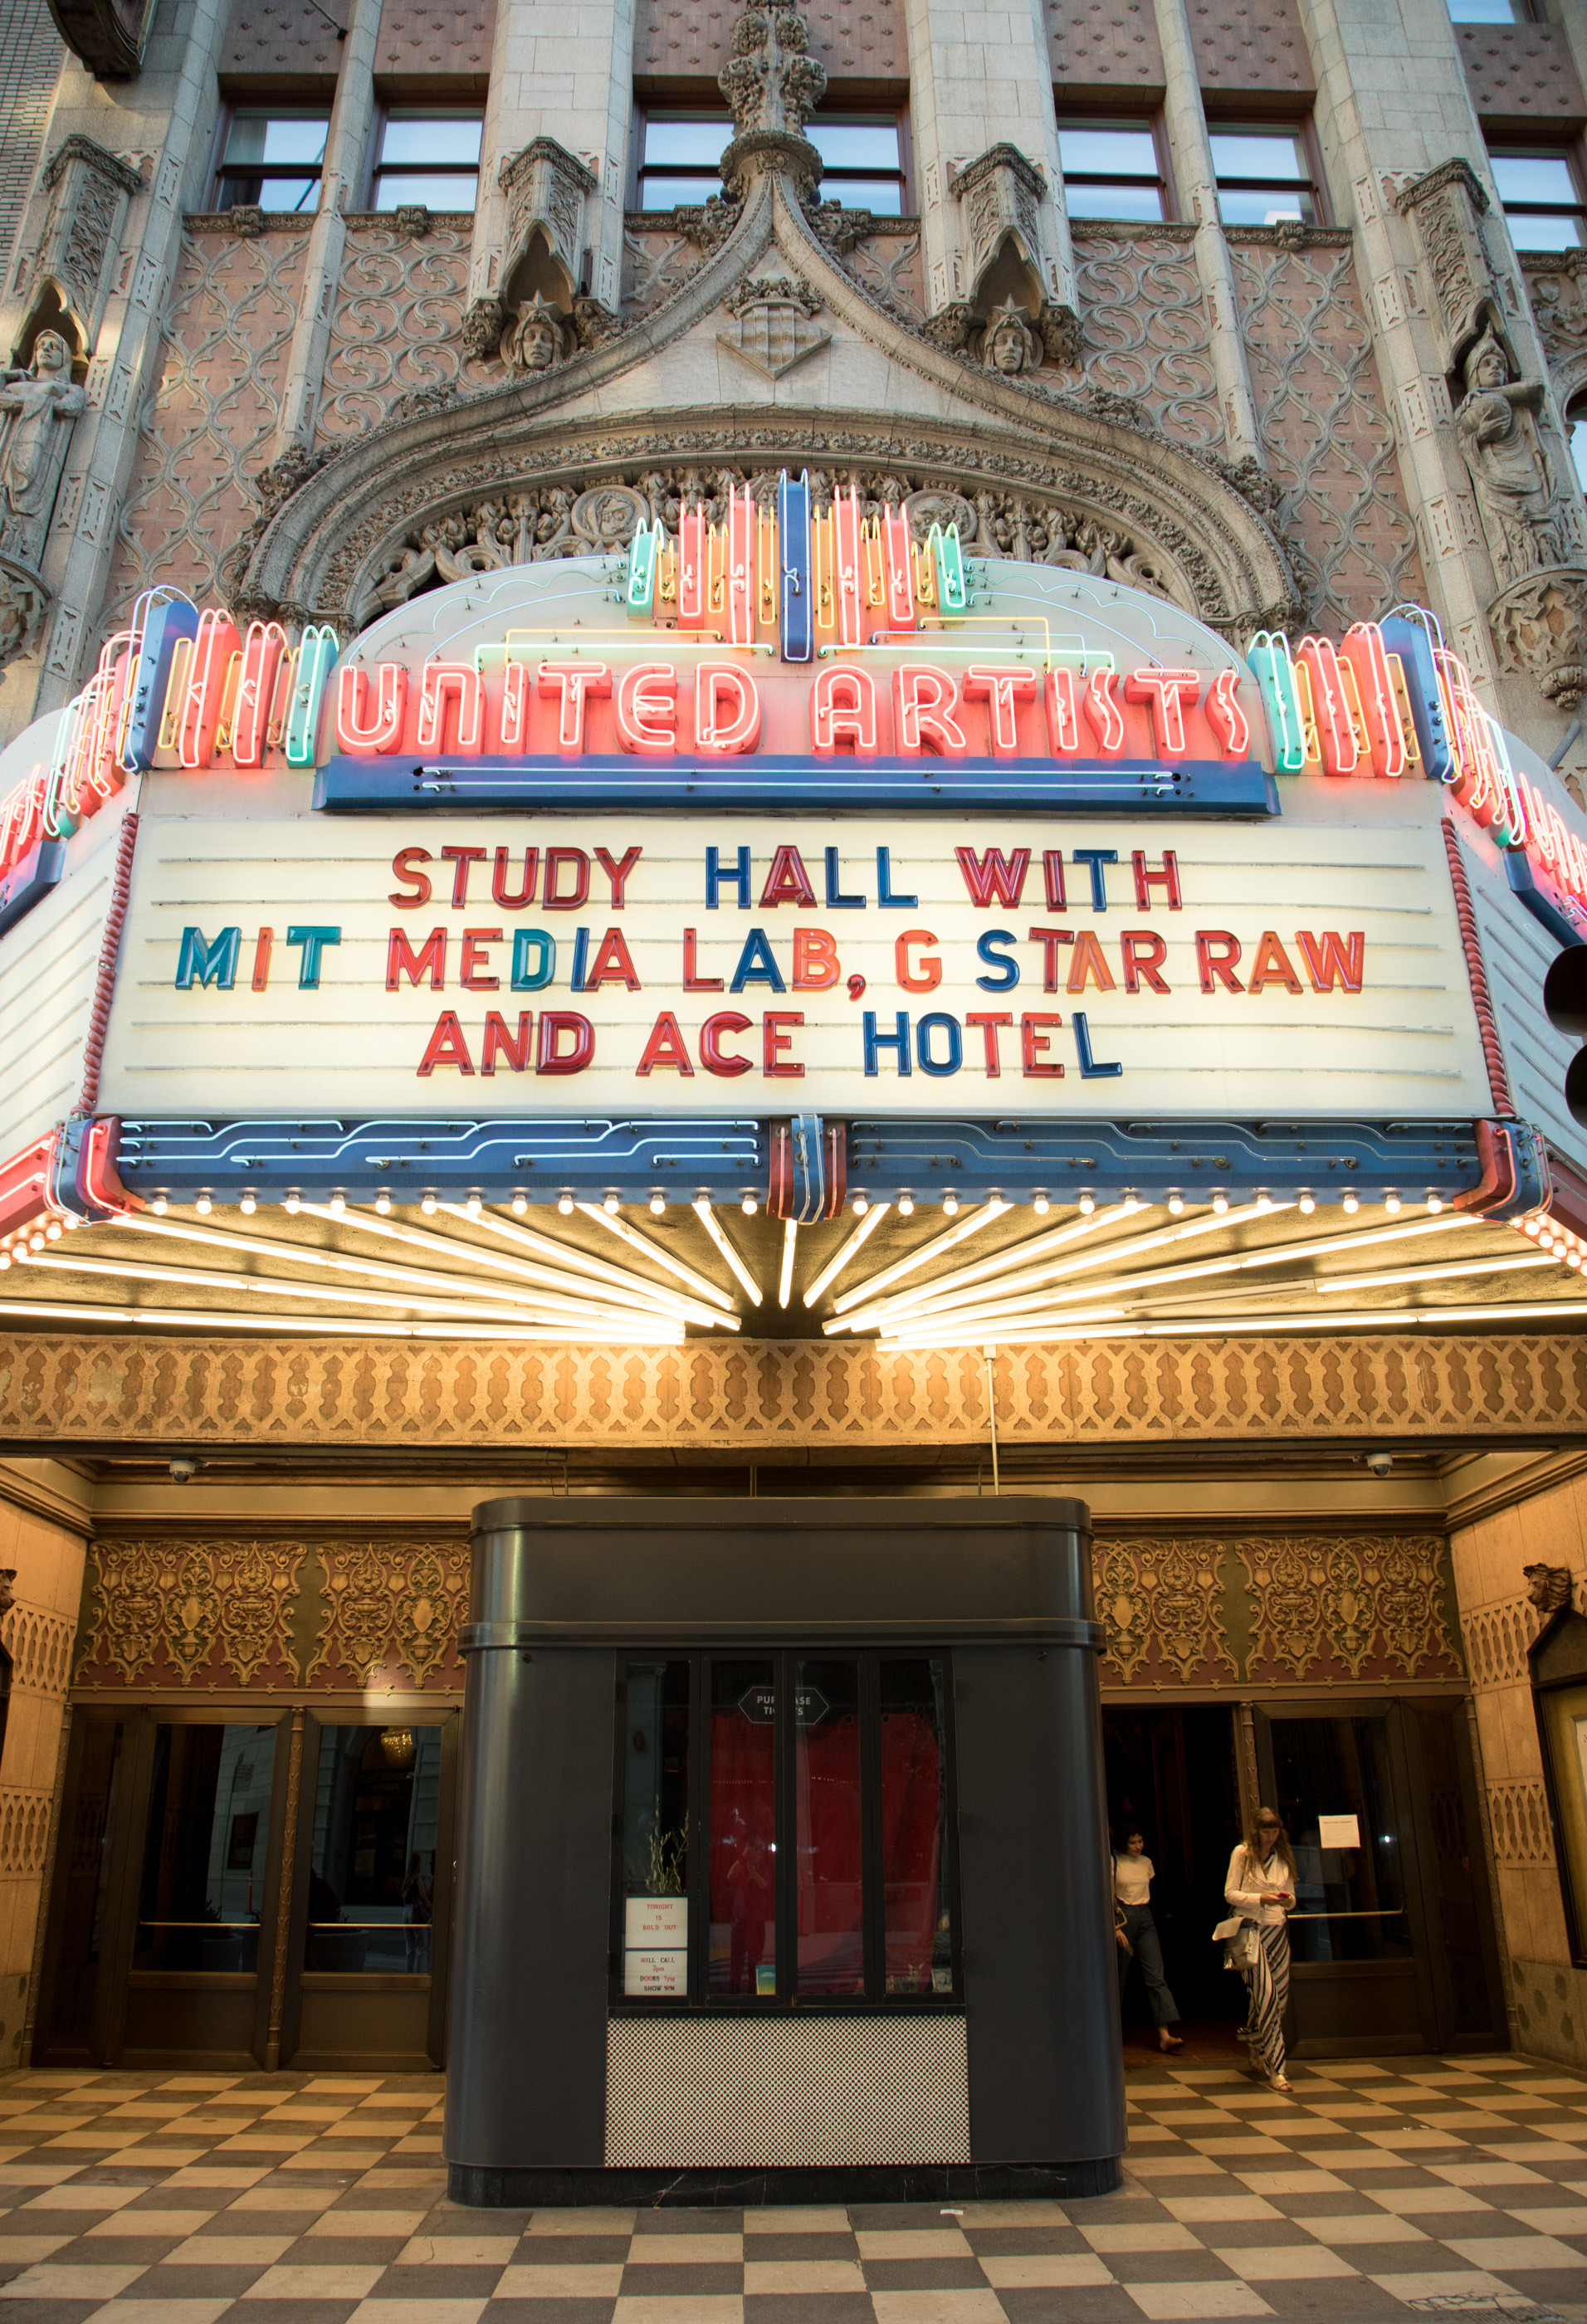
(1267, 1984)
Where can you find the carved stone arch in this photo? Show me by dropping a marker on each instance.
(1194, 525)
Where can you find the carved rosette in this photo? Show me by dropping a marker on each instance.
(1541, 622)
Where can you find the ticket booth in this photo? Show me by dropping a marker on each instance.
(782, 1862)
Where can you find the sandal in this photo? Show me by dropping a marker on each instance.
(1281, 2082)
(1167, 2042)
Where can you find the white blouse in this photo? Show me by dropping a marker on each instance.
(1247, 1879)
(1132, 1879)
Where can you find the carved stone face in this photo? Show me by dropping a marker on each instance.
(536, 343)
(1007, 350)
(1547, 1586)
(1487, 368)
(50, 354)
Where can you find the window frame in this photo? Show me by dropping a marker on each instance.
(231, 109)
(1155, 127)
(699, 2001)
(1302, 130)
(1568, 151)
(435, 110)
(647, 109)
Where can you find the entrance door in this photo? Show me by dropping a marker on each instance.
(163, 1916)
(1171, 1772)
(371, 1896)
(166, 1925)
(1391, 1939)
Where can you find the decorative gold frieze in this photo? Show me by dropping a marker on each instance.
(1359, 1607)
(216, 1609)
(390, 1611)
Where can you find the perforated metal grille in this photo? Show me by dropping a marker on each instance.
(683, 2093)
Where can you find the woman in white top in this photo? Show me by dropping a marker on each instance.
(1260, 1888)
(1133, 1873)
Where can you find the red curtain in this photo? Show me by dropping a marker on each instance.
(911, 1846)
(744, 1866)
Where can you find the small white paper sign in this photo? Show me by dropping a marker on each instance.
(648, 1972)
(659, 1922)
(1339, 1831)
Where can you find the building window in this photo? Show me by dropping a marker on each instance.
(429, 156)
(372, 1873)
(1112, 170)
(1491, 12)
(785, 1832)
(1541, 190)
(1576, 429)
(272, 159)
(861, 155)
(1264, 175)
(203, 1887)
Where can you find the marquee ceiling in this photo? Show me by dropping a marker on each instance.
(980, 1274)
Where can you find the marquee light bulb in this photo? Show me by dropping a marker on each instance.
(383, 1204)
(52, 1232)
(748, 1206)
(159, 1206)
(35, 1242)
(1532, 1226)
(1132, 1203)
(906, 1206)
(861, 1206)
(1221, 1204)
(4, 1260)
(1391, 1204)
(610, 1206)
(658, 1205)
(1177, 1207)
(1041, 1206)
(472, 1206)
(1307, 1204)
(1436, 1203)
(249, 1203)
(71, 1221)
(565, 1204)
(429, 1206)
(338, 1202)
(1087, 1206)
(950, 1203)
(1351, 1204)
(519, 1204)
(1264, 1203)
(202, 1206)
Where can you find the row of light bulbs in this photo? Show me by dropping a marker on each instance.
(904, 1204)
(1560, 1241)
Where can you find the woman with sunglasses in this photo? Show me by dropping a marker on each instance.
(1260, 1888)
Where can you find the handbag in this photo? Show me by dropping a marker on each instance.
(1239, 1939)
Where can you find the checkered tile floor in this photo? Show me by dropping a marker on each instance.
(1433, 2185)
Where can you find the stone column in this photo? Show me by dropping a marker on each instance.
(981, 82)
(167, 118)
(570, 79)
(1191, 151)
(346, 155)
(1409, 167)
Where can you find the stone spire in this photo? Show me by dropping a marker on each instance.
(772, 87)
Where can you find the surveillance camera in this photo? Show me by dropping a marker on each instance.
(183, 1470)
(1380, 1463)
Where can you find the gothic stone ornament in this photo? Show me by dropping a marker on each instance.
(38, 409)
(482, 326)
(277, 482)
(538, 340)
(1541, 623)
(1445, 206)
(1008, 345)
(1528, 521)
(546, 187)
(772, 87)
(109, 36)
(775, 330)
(1002, 194)
(75, 256)
(1548, 1586)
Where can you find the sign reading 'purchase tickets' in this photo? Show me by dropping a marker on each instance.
(614, 963)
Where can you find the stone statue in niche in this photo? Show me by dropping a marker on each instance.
(538, 340)
(1527, 521)
(37, 406)
(1547, 1586)
(1008, 345)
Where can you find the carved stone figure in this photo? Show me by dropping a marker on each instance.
(482, 323)
(75, 257)
(38, 407)
(772, 87)
(1526, 520)
(1007, 344)
(1547, 1586)
(538, 340)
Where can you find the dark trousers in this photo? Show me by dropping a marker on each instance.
(1140, 1930)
